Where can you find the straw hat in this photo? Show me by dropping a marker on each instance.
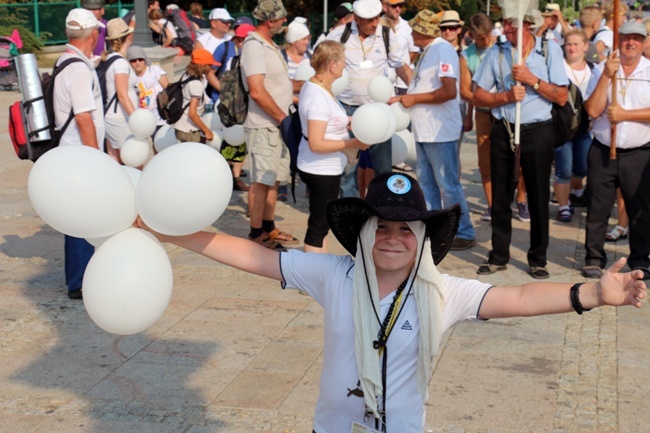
(450, 18)
(116, 29)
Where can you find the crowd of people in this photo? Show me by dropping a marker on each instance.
(395, 228)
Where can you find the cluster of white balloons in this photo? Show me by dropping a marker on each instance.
(377, 122)
(85, 193)
(166, 137)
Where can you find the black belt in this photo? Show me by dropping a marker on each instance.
(529, 126)
(626, 150)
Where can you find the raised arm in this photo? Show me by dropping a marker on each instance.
(536, 299)
(230, 250)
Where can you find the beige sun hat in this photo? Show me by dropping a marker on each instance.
(117, 28)
(450, 18)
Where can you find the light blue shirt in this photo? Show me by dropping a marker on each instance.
(534, 107)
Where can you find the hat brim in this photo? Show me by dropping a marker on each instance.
(347, 215)
(128, 32)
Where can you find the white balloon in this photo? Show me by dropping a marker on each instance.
(304, 72)
(82, 192)
(339, 85)
(380, 89)
(215, 143)
(165, 137)
(134, 174)
(128, 283)
(212, 121)
(234, 135)
(134, 152)
(402, 115)
(399, 149)
(392, 121)
(142, 123)
(407, 136)
(370, 124)
(184, 189)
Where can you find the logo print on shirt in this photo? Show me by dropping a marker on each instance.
(444, 67)
(407, 326)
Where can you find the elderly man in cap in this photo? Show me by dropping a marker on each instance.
(220, 22)
(77, 93)
(369, 51)
(631, 169)
(97, 8)
(536, 83)
(555, 25)
(270, 94)
(433, 98)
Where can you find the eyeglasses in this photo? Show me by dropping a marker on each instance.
(225, 22)
(449, 28)
(136, 60)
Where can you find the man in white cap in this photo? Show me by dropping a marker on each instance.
(220, 22)
(77, 92)
(555, 25)
(537, 83)
(631, 169)
(370, 51)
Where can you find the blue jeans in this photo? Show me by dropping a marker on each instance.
(77, 255)
(438, 174)
(381, 155)
(571, 158)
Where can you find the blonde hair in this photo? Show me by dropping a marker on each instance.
(577, 32)
(608, 9)
(589, 15)
(325, 53)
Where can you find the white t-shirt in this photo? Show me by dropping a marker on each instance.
(192, 89)
(162, 22)
(329, 279)
(148, 87)
(316, 103)
(606, 36)
(366, 61)
(77, 88)
(436, 122)
(405, 39)
(211, 42)
(120, 66)
(579, 78)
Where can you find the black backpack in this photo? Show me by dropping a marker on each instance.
(233, 102)
(170, 101)
(23, 139)
(570, 119)
(101, 70)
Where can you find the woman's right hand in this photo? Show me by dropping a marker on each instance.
(357, 144)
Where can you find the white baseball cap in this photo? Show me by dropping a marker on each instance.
(220, 14)
(82, 19)
(367, 8)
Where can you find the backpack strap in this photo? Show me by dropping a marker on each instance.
(285, 55)
(224, 57)
(385, 34)
(183, 83)
(346, 33)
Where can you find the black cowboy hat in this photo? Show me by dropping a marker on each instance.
(393, 197)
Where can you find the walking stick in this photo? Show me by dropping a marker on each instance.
(614, 97)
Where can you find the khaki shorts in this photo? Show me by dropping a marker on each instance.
(269, 156)
(185, 137)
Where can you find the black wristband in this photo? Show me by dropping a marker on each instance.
(575, 299)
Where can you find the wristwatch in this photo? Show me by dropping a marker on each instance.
(536, 85)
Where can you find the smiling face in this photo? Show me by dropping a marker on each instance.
(395, 247)
(631, 47)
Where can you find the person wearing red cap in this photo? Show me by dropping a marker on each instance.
(190, 127)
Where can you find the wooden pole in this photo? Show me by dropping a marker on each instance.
(614, 96)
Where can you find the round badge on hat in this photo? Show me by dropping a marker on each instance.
(398, 184)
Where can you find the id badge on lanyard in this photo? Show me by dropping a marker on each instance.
(360, 428)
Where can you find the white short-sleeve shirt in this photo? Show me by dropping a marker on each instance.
(148, 87)
(436, 122)
(329, 280)
(120, 66)
(192, 89)
(316, 103)
(77, 88)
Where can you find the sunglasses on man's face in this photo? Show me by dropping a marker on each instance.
(449, 28)
(136, 60)
(400, 5)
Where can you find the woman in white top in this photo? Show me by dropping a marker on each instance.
(571, 157)
(120, 87)
(151, 80)
(321, 157)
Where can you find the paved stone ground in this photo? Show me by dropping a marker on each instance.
(234, 353)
